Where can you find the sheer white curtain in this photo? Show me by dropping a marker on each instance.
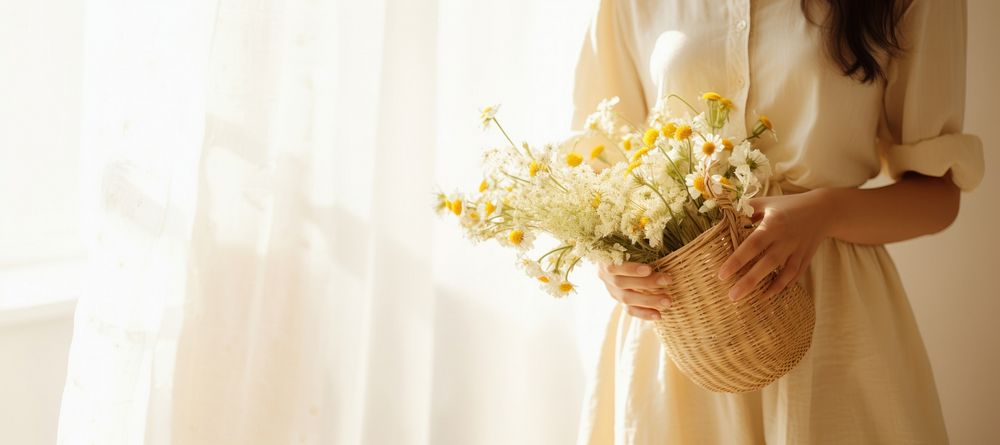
(265, 264)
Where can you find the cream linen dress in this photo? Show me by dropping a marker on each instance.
(866, 378)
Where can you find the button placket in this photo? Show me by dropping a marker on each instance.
(738, 56)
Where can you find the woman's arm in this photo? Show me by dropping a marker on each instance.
(914, 206)
(792, 226)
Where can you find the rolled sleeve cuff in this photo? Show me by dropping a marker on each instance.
(960, 153)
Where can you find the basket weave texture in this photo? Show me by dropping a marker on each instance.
(727, 346)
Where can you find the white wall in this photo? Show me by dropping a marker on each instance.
(952, 277)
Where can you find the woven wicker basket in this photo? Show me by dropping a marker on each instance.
(722, 345)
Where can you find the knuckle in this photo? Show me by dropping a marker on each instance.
(753, 243)
(777, 218)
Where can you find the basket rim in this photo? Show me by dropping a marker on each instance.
(703, 238)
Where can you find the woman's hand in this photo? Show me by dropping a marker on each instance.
(636, 286)
(790, 230)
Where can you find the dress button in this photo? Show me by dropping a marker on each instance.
(740, 82)
(741, 25)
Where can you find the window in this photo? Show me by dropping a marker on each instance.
(41, 255)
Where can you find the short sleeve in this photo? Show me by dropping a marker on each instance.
(925, 97)
(605, 67)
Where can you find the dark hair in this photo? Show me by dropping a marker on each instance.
(859, 32)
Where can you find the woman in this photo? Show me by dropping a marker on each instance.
(849, 85)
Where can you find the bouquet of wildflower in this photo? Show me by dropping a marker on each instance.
(661, 193)
(677, 197)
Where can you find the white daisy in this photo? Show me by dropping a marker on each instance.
(743, 154)
(487, 114)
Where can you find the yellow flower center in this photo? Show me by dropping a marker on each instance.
(650, 137)
(456, 207)
(483, 186)
(473, 216)
(727, 145)
(643, 222)
(516, 237)
(668, 130)
(533, 168)
(596, 151)
(699, 184)
(727, 103)
(638, 154)
(596, 201)
(489, 208)
(574, 159)
(543, 279)
(765, 122)
(711, 96)
(708, 148)
(683, 132)
(627, 144)
(634, 165)
(724, 181)
(565, 287)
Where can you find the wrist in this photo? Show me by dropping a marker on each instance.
(830, 203)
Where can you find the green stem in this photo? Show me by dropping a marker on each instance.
(570, 268)
(677, 171)
(558, 184)
(634, 127)
(514, 177)
(554, 251)
(690, 156)
(559, 260)
(511, 140)
(657, 193)
(695, 110)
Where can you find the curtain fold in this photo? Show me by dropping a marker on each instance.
(265, 263)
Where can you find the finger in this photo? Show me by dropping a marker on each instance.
(653, 282)
(651, 301)
(788, 274)
(759, 204)
(765, 265)
(630, 269)
(643, 313)
(758, 241)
